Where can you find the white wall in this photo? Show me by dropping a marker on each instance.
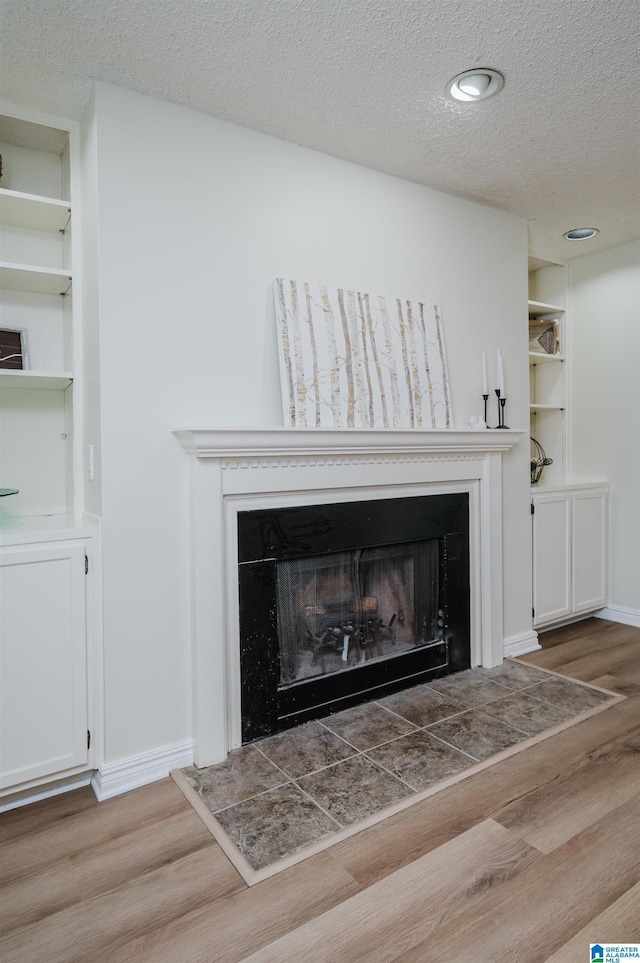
(196, 218)
(604, 303)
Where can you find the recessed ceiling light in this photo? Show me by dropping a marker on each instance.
(478, 84)
(581, 233)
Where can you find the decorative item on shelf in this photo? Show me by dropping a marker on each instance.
(352, 359)
(13, 349)
(500, 393)
(539, 461)
(485, 386)
(476, 423)
(502, 401)
(544, 337)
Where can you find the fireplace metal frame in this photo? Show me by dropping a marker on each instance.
(269, 537)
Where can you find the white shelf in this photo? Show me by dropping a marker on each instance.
(32, 211)
(540, 310)
(34, 280)
(22, 529)
(38, 380)
(537, 357)
(546, 407)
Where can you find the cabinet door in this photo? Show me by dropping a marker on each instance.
(43, 688)
(589, 550)
(551, 557)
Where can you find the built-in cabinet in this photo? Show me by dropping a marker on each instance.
(569, 552)
(45, 708)
(569, 516)
(44, 698)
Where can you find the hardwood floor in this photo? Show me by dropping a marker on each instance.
(529, 860)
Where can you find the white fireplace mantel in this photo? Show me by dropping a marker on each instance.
(240, 469)
(265, 442)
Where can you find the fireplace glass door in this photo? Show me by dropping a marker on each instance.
(339, 611)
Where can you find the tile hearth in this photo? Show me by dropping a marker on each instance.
(288, 791)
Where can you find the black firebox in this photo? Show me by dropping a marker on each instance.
(343, 603)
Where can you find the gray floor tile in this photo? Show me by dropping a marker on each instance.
(421, 705)
(471, 690)
(514, 675)
(304, 749)
(244, 773)
(477, 733)
(273, 825)
(419, 759)
(465, 677)
(367, 725)
(568, 695)
(354, 789)
(527, 714)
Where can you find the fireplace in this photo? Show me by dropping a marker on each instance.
(346, 602)
(245, 470)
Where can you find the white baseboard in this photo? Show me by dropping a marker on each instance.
(36, 793)
(618, 613)
(114, 778)
(521, 644)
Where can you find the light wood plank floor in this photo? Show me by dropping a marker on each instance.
(529, 860)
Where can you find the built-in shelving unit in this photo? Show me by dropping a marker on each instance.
(547, 380)
(40, 399)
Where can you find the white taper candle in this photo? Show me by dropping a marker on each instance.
(500, 376)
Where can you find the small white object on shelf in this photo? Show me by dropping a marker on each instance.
(476, 423)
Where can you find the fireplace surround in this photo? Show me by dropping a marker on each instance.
(341, 603)
(244, 470)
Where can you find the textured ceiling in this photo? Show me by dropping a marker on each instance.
(364, 80)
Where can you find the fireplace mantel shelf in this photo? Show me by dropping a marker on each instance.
(270, 442)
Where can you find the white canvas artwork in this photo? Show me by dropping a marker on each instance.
(349, 359)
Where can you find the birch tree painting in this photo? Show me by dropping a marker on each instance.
(349, 359)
